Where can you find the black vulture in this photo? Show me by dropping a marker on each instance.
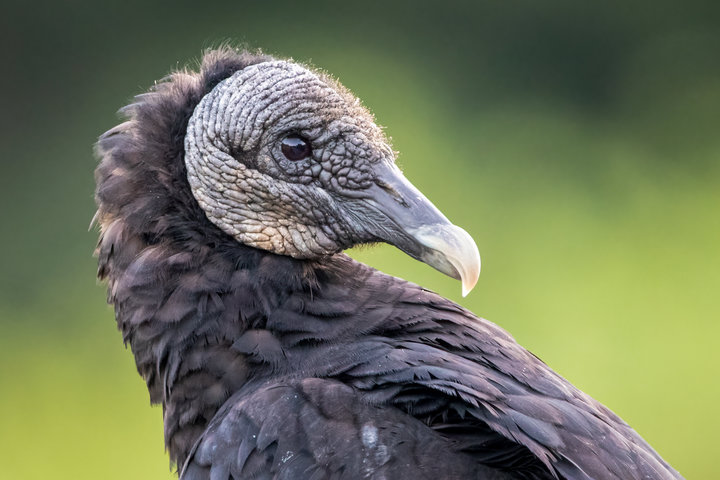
(225, 200)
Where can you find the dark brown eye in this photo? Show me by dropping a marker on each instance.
(295, 148)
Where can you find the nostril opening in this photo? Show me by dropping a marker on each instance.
(392, 192)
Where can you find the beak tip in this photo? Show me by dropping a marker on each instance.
(469, 281)
(467, 288)
(451, 250)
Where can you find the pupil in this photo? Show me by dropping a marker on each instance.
(295, 148)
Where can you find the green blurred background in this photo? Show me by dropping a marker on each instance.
(578, 143)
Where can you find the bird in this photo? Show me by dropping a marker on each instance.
(225, 200)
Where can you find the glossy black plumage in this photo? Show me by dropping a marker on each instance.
(272, 367)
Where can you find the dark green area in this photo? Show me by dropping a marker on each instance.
(576, 142)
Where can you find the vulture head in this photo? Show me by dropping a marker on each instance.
(285, 159)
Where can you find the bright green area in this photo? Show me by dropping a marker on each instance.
(578, 145)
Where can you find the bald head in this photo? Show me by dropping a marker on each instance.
(287, 160)
(255, 192)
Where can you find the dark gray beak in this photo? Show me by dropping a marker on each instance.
(413, 224)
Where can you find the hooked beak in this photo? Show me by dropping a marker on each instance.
(415, 226)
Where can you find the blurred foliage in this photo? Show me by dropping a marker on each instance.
(576, 142)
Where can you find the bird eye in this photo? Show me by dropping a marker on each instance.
(295, 148)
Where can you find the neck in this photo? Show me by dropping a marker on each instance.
(180, 307)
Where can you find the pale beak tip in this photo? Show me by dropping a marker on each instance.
(451, 250)
(467, 288)
(470, 279)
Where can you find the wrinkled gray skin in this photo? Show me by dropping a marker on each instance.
(245, 117)
(349, 190)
